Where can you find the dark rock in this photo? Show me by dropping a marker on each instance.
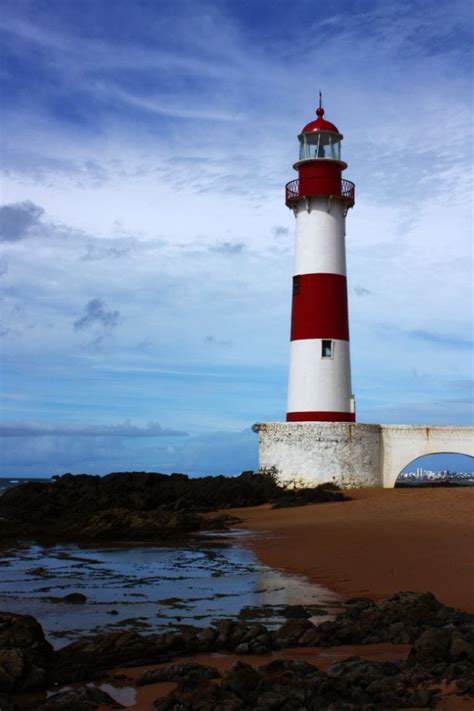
(89, 656)
(279, 666)
(190, 674)
(291, 632)
(7, 703)
(75, 598)
(462, 650)
(295, 612)
(206, 639)
(87, 698)
(138, 505)
(203, 698)
(310, 495)
(414, 609)
(25, 655)
(242, 680)
(399, 619)
(431, 647)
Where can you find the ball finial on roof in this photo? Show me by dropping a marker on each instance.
(320, 124)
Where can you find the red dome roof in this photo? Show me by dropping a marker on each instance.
(320, 124)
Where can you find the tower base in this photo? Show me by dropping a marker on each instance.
(351, 454)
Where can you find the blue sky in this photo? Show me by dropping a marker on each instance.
(146, 249)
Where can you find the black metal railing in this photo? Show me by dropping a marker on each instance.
(318, 186)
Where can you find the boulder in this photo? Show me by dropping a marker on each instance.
(242, 680)
(431, 648)
(25, 655)
(290, 633)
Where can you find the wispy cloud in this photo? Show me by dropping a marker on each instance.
(96, 314)
(18, 219)
(443, 340)
(227, 247)
(125, 429)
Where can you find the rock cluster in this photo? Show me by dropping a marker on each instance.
(352, 685)
(138, 506)
(442, 648)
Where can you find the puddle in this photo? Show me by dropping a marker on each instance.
(147, 587)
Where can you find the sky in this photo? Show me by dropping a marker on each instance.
(146, 251)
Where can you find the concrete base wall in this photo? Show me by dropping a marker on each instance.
(350, 454)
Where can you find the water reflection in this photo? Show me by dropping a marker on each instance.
(149, 588)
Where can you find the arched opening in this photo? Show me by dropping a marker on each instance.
(439, 469)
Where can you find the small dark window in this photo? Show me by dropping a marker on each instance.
(326, 349)
(296, 285)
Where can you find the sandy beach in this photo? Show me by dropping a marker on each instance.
(381, 542)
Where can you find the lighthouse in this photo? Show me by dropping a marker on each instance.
(319, 388)
(320, 442)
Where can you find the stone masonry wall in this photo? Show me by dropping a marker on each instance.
(352, 454)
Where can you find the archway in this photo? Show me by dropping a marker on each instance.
(438, 469)
(401, 444)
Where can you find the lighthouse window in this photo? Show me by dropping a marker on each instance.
(320, 145)
(326, 349)
(296, 285)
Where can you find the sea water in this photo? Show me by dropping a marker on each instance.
(149, 588)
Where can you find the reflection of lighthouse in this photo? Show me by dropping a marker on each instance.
(320, 373)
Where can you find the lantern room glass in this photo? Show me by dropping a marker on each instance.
(320, 144)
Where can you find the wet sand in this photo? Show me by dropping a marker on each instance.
(383, 541)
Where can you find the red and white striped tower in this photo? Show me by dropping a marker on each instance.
(319, 386)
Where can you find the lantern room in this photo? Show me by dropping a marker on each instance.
(320, 166)
(320, 139)
(320, 144)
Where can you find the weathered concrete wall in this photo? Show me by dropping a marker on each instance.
(310, 453)
(350, 454)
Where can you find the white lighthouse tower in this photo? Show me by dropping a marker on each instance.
(319, 388)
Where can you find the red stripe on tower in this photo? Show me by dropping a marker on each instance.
(320, 417)
(319, 308)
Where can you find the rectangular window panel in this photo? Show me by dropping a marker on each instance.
(296, 285)
(326, 349)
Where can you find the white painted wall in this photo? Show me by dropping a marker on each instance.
(311, 453)
(320, 237)
(316, 383)
(352, 454)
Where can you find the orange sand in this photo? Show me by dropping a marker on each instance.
(381, 542)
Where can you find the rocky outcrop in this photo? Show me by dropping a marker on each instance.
(352, 685)
(400, 619)
(138, 506)
(188, 674)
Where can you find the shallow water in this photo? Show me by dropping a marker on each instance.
(146, 587)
